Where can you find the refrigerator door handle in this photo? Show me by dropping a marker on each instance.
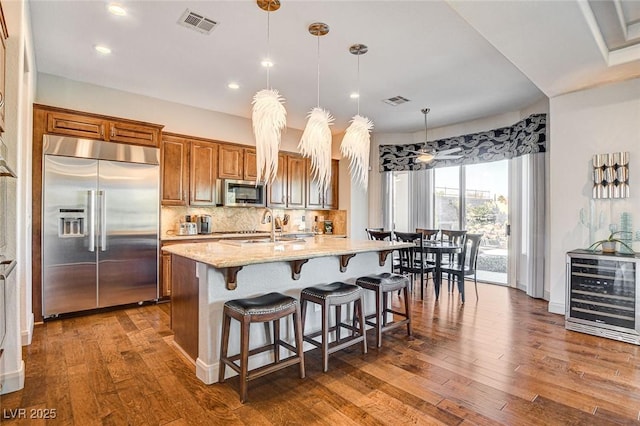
(103, 220)
(92, 220)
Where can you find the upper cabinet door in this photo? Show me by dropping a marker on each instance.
(134, 134)
(314, 197)
(331, 197)
(175, 171)
(67, 124)
(230, 162)
(297, 179)
(250, 164)
(317, 200)
(203, 172)
(277, 190)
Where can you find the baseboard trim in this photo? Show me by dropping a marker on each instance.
(208, 373)
(556, 308)
(27, 335)
(13, 381)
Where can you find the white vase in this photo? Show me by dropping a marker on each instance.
(608, 246)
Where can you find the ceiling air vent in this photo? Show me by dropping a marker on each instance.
(396, 100)
(197, 22)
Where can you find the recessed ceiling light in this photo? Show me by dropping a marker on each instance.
(354, 95)
(267, 63)
(117, 9)
(104, 50)
(233, 86)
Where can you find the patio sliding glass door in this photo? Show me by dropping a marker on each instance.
(476, 198)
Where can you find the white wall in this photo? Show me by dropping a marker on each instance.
(19, 88)
(596, 121)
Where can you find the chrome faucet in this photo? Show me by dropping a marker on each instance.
(267, 217)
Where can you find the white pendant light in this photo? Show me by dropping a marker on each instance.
(268, 115)
(357, 138)
(315, 142)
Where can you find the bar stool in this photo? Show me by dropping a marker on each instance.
(382, 284)
(269, 307)
(335, 294)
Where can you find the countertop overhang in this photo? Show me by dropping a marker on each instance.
(230, 260)
(220, 255)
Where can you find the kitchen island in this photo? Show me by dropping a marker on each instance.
(206, 275)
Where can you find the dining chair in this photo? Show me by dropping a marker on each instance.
(455, 237)
(369, 230)
(468, 266)
(429, 234)
(413, 260)
(382, 236)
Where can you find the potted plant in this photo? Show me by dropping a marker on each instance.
(609, 244)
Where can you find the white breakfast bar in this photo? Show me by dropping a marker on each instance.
(206, 275)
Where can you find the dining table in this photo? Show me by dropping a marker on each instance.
(438, 248)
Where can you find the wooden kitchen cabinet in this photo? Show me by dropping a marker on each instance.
(135, 134)
(315, 198)
(76, 125)
(93, 126)
(230, 162)
(250, 164)
(203, 173)
(189, 171)
(175, 171)
(297, 179)
(288, 189)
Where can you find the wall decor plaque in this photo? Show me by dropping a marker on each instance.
(611, 175)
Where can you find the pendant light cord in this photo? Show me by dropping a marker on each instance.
(358, 84)
(318, 94)
(268, 48)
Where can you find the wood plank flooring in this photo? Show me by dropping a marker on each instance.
(500, 360)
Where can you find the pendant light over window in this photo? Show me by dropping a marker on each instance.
(357, 138)
(315, 142)
(268, 115)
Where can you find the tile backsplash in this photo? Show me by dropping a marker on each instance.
(225, 219)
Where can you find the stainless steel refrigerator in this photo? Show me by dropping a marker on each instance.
(100, 215)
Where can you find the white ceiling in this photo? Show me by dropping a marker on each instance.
(438, 54)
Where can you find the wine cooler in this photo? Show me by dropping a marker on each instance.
(602, 295)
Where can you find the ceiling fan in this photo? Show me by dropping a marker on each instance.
(424, 156)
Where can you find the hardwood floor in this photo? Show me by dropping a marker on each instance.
(503, 359)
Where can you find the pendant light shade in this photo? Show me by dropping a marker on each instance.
(316, 138)
(355, 146)
(268, 116)
(315, 144)
(357, 138)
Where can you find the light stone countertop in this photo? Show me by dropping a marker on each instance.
(222, 236)
(213, 236)
(224, 255)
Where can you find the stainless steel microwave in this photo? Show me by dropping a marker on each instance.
(243, 193)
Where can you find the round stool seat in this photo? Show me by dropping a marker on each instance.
(385, 281)
(333, 291)
(266, 304)
(383, 284)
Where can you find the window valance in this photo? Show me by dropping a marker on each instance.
(528, 136)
